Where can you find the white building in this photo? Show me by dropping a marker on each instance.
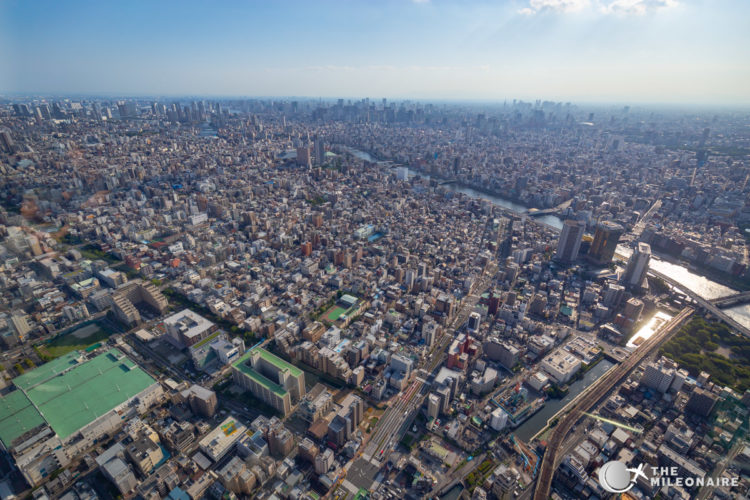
(561, 366)
(499, 419)
(187, 328)
(219, 441)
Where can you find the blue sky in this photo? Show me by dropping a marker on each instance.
(683, 51)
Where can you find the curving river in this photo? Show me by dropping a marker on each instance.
(694, 282)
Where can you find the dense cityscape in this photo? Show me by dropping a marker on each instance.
(338, 298)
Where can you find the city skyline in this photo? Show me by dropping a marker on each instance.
(631, 51)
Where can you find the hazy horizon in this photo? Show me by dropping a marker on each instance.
(650, 52)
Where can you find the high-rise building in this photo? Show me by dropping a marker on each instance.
(6, 141)
(701, 402)
(637, 267)
(120, 473)
(320, 152)
(474, 321)
(202, 401)
(433, 406)
(606, 237)
(303, 156)
(659, 375)
(570, 240)
(324, 461)
(270, 379)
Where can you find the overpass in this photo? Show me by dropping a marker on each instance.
(547, 211)
(732, 300)
(592, 395)
(703, 303)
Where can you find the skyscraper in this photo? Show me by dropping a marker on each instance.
(637, 266)
(606, 237)
(570, 240)
(303, 156)
(320, 151)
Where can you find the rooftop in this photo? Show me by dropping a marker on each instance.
(69, 400)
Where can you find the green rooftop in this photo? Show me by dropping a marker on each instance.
(278, 362)
(248, 371)
(242, 365)
(69, 401)
(46, 371)
(17, 417)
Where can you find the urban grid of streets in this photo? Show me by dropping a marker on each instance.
(369, 247)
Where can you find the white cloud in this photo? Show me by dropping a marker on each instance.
(555, 6)
(637, 7)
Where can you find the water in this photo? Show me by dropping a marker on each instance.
(701, 285)
(528, 429)
(453, 493)
(519, 208)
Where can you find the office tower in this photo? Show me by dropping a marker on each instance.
(606, 237)
(637, 267)
(474, 321)
(659, 375)
(6, 141)
(320, 152)
(701, 402)
(433, 406)
(570, 240)
(303, 156)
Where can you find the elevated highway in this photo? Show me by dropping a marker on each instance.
(592, 395)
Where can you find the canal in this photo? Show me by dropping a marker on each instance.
(537, 421)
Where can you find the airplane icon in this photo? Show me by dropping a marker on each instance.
(638, 472)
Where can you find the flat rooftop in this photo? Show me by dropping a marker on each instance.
(243, 366)
(191, 323)
(69, 393)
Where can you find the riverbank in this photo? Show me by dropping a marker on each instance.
(513, 207)
(697, 283)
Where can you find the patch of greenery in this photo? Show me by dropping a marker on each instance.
(554, 391)
(93, 252)
(694, 348)
(408, 441)
(317, 201)
(63, 344)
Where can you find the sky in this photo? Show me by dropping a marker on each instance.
(633, 51)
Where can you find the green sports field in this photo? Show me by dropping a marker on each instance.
(335, 313)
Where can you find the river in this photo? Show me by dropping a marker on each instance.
(537, 421)
(701, 285)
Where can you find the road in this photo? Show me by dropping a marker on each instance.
(707, 491)
(397, 418)
(705, 304)
(639, 226)
(594, 393)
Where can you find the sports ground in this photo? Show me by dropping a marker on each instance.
(334, 313)
(74, 341)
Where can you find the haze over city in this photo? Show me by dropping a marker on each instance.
(375, 250)
(655, 51)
